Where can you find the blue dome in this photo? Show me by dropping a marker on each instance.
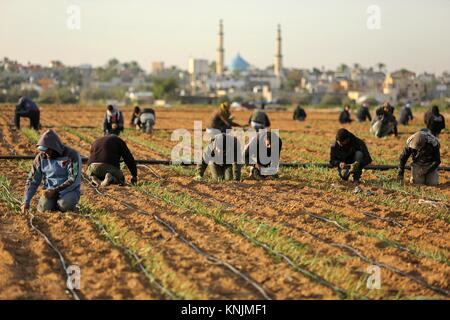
(239, 64)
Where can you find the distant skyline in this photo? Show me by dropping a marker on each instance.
(414, 34)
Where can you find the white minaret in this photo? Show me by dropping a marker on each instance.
(220, 51)
(278, 65)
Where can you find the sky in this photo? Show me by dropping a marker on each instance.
(413, 34)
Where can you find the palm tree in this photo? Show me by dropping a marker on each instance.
(381, 66)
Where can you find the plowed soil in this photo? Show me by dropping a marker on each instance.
(303, 235)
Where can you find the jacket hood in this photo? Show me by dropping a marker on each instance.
(51, 140)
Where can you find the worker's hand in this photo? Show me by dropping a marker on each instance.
(50, 193)
(24, 208)
(133, 180)
(342, 165)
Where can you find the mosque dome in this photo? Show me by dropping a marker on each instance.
(239, 64)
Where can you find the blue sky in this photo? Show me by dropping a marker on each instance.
(414, 34)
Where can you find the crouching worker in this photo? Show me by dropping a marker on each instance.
(60, 168)
(223, 158)
(263, 154)
(113, 121)
(259, 119)
(424, 148)
(147, 120)
(299, 114)
(384, 123)
(26, 108)
(104, 161)
(349, 154)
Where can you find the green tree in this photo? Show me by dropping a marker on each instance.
(164, 88)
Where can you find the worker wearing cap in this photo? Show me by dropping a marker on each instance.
(59, 167)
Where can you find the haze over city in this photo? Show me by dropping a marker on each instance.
(326, 33)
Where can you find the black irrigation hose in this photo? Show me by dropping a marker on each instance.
(137, 259)
(51, 245)
(282, 164)
(370, 261)
(310, 275)
(187, 242)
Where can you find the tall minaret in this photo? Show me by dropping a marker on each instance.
(278, 65)
(220, 51)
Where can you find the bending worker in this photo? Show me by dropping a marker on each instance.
(221, 120)
(263, 153)
(113, 121)
(259, 119)
(349, 154)
(60, 168)
(299, 113)
(104, 161)
(423, 146)
(26, 108)
(223, 157)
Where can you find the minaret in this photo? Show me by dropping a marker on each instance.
(278, 65)
(220, 51)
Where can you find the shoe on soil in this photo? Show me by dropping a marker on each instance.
(108, 180)
(95, 181)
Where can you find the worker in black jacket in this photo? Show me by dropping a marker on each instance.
(349, 154)
(104, 161)
(434, 121)
(406, 114)
(363, 113)
(424, 147)
(344, 116)
(26, 108)
(299, 114)
(384, 123)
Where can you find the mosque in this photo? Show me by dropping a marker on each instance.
(239, 64)
(239, 76)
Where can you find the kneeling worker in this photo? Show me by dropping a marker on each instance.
(259, 119)
(60, 168)
(223, 158)
(147, 120)
(104, 161)
(299, 113)
(349, 154)
(424, 148)
(263, 154)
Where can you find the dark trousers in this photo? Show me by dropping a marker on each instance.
(33, 115)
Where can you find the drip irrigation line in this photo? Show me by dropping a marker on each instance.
(369, 260)
(390, 220)
(310, 275)
(50, 244)
(282, 164)
(194, 247)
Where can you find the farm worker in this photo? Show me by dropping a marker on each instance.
(26, 108)
(60, 168)
(344, 116)
(259, 119)
(299, 113)
(423, 146)
(406, 114)
(147, 120)
(104, 161)
(223, 157)
(221, 120)
(263, 154)
(135, 118)
(363, 113)
(113, 121)
(349, 154)
(434, 121)
(384, 123)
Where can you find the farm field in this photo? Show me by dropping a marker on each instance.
(305, 235)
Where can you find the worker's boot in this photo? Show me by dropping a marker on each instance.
(108, 180)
